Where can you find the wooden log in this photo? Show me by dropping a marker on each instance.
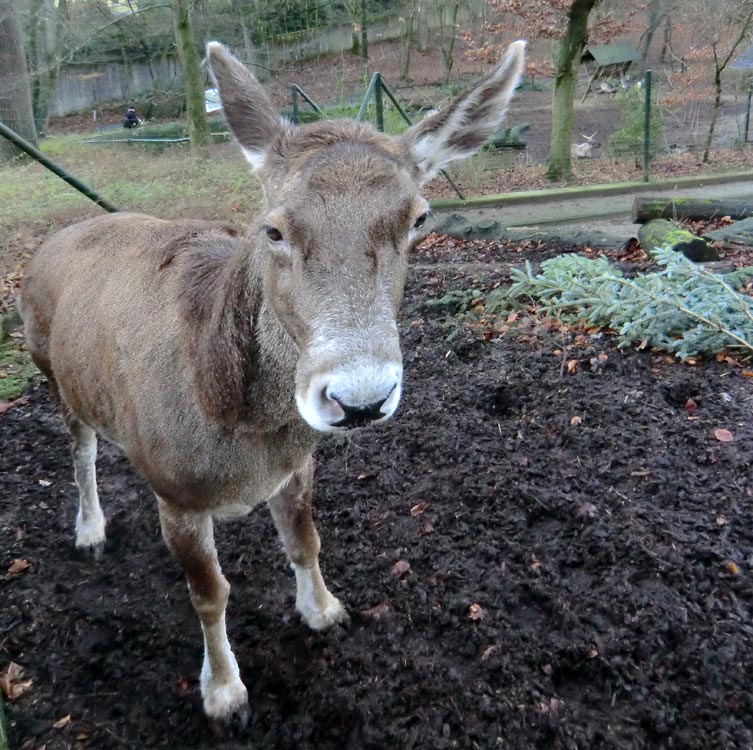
(646, 208)
(663, 233)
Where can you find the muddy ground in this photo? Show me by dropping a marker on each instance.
(580, 548)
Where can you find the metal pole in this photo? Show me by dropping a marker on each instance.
(647, 124)
(294, 98)
(36, 154)
(379, 102)
(366, 97)
(747, 112)
(387, 90)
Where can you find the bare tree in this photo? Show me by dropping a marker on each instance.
(740, 22)
(193, 77)
(47, 32)
(565, 79)
(15, 95)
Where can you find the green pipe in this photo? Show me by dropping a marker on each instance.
(308, 99)
(36, 154)
(294, 102)
(379, 102)
(366, 97)
(647, 124)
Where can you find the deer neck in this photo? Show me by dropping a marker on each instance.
(244, 361)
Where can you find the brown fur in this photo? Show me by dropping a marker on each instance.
(206, 354)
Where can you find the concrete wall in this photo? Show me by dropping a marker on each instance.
(85, 86)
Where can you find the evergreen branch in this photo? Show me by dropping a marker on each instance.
(683, 307)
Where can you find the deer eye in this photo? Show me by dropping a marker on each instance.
(421, 220)
(274, 234)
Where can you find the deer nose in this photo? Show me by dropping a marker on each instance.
(358, 416)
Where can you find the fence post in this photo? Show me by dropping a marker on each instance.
(647, 124)
(379, 102)
(294, 99)
(747, 112)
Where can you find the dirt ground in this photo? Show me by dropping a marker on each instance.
(572, 583)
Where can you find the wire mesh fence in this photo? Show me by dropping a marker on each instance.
(613, 140)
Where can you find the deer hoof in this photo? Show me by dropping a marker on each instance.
(94, 551)
(333, 613)
(226, 707)
(90, 534)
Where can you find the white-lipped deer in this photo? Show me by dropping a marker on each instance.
(216, 361)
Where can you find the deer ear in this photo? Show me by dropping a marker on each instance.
(248, 109)
(461, 128)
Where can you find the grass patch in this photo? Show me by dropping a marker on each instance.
(16, 370)
(171, 183)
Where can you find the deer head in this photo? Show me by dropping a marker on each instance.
(342, 209)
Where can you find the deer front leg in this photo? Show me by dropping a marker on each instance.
(190, 538)
(291, 511)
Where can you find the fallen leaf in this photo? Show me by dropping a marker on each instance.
(747, 373)
(732, 567)
(592, 654)
(576, 421)
(182, 685)
(488, 651)
(5, 405)
(12, 683)
(572, 365)
(19, 566)
(476, 612)
(418, 509)
(690, 405)
(721, 520)
(378, 612)
(552, 706)
(587, 510)
(723, 436)
(400, 568)
(63, 722)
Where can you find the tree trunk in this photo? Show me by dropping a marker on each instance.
(364, 32)
(568, 58)
(15, 97)
(662, 233)
(407, 46)
(193, 78)
(666, 44)
(49, 86)
(719, 68)
(448, 52)
(695, 209)
(715, 112)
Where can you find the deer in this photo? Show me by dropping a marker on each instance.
(583, 150)
(216, 359)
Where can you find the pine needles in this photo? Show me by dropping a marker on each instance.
(682, 308)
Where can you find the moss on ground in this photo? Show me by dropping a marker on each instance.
(3, 732)
(16, 370)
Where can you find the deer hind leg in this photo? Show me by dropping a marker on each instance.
(291, 511)
(90, 521)
(190, 538)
